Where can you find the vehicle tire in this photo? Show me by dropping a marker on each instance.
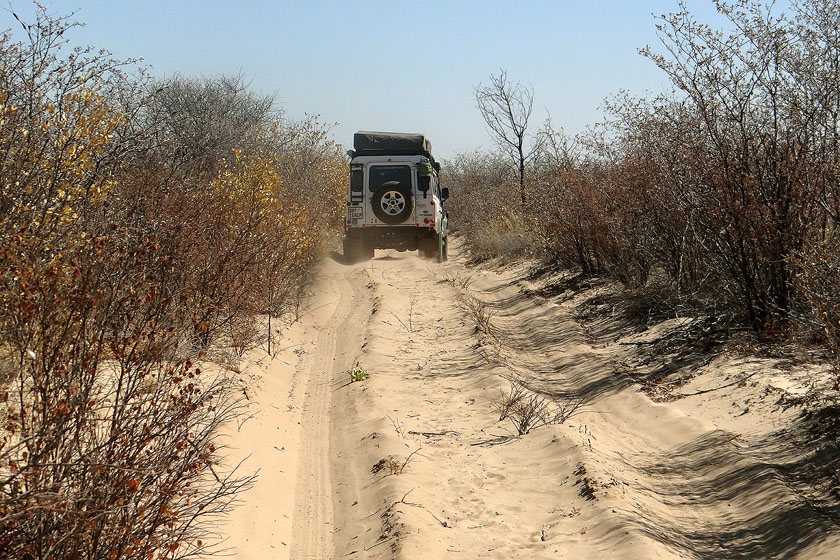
(441, 248)
(356, 250)
(392, 204)
(444, 252)
(429, 247)
(366, 252)
(351, 249)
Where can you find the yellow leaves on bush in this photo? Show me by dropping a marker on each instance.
(336, 174)
(255, 202)
(101, 294)
(246, 189)
(50, 156)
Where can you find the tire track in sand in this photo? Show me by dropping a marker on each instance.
(313, 518)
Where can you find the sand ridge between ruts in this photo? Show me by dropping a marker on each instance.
(414, 463)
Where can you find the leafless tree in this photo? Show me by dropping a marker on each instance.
(195, 122)
(506, 108)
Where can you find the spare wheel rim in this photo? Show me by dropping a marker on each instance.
(393, 203)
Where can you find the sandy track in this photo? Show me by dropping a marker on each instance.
(414, 463)
(313, 512)
(290, 513)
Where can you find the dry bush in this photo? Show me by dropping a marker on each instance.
(108, 441)
(716, 188)
(818, 282)
(485, 206)
(246, 237)
(242, 198)
(192, 124)
(392, 465)
(506, 235)
(751, 190)
(456, 280)
(314, 171)
(528, 410)
(490, 337)
(480, 313)
(126, 246)
(506, 402)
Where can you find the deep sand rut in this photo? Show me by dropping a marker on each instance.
(414, 462)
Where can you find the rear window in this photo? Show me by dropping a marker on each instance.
(378, 175)
(356, 180)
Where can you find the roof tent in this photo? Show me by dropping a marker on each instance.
(366, 143)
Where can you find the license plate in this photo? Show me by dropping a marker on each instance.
(354, 213)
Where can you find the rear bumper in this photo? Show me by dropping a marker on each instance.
(401, 237)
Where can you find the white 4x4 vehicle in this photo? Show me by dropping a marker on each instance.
(395, 200)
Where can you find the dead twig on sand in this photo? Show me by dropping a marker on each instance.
(544, 532)
(398, 427)
(394, 466)
(495, 440)
(377, 543)
(408, 459)
(433, 434)
(410, 326)
(415, 504)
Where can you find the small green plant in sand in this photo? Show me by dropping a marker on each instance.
(357, 373)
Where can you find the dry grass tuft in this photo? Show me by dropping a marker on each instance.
(528, 410)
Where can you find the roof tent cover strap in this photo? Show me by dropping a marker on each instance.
(368, 143)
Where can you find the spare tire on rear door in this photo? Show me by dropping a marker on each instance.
(392, 203)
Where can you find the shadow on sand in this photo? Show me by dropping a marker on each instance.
(718, 496)
(739, 487)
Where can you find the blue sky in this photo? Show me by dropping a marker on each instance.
(402, 66)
